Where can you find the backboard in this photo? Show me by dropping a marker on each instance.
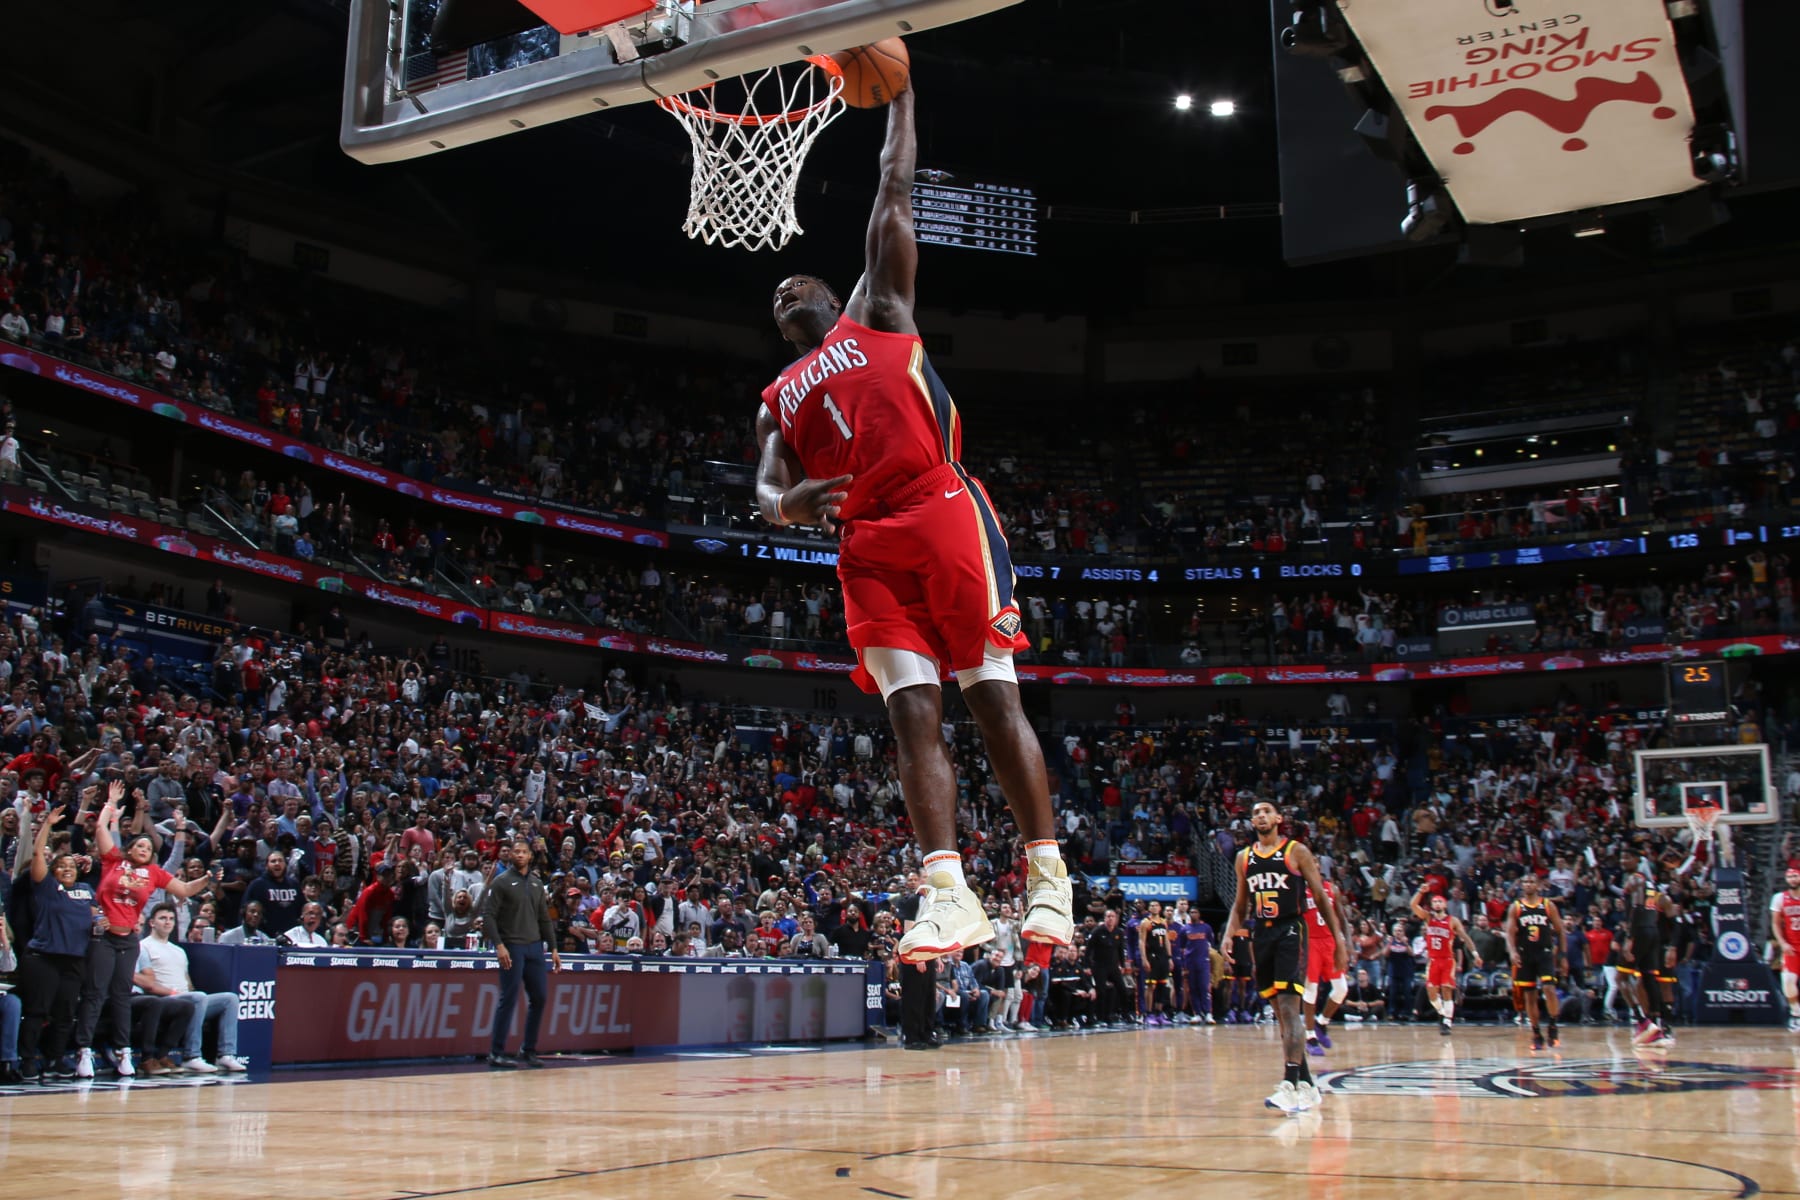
(401, 101)
(1736, 778)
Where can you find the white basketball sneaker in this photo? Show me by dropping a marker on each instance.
(1307, 1096)
(1049, 903)
(952, 922)
(1285, 1097)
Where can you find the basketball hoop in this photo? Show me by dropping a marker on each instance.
(1703, 822)
(750, 137)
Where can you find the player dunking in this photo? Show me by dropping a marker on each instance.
(1641, 965)
(1323, 969)
(858, 435)
(1784, 919)
(1441, 934)
(1534, 943)
(1270, 877)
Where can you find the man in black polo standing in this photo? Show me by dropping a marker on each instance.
(516, 915)
(918, 1010)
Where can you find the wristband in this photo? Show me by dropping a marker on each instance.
(778, 513)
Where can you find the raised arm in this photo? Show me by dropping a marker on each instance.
(40, 857)
(1418, 908)
(883, 297)
(22, 852)
(109, 816)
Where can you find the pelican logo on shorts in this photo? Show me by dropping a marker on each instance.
(1007, 625)
(1509, 1079)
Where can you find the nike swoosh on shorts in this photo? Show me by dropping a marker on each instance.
(953, 495)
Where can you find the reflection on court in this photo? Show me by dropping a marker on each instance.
(1117, 1114)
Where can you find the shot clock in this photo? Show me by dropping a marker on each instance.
(1699, 693)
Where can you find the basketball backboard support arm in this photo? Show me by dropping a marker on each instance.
(381, 123)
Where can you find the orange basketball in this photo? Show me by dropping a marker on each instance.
(874, 74)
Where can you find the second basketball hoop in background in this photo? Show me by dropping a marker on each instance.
(874, 74)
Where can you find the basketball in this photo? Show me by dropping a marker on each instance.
(874, 74)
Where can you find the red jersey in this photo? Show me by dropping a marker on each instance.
(865, 403)
(1440, 939)
(1787, 915)
(1316, 928)
(124, 888)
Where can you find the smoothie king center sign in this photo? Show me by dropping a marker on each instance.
(1536, 108)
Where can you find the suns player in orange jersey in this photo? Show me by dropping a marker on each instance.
(859, 436)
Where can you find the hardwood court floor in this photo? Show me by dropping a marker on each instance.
(1114, 1115)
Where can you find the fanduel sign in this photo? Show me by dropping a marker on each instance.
(1150, 887)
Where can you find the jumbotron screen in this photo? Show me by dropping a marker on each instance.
(951, 210)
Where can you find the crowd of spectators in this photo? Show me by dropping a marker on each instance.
(345, 796)
(629, 430)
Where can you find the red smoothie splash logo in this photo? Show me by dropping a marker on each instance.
(1565, 116)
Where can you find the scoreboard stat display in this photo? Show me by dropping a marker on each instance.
(975, 216)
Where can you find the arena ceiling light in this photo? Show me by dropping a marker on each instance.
(1223, 108)
(1183, 102)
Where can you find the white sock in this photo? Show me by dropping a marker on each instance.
(1449, 1009)
(1044, 849)
(945, 862)
(1437, 1005)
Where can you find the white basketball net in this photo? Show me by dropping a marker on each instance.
(1705, 826)
(750, 137)
(1703, 821)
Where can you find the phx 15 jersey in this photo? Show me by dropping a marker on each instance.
(865, 403)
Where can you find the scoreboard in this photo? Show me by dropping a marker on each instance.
(948, 211)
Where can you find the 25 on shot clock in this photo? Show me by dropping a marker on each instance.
(1699, 693)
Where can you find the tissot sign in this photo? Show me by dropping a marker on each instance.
(1537, 107)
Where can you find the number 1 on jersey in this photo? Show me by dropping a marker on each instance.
(837, 416)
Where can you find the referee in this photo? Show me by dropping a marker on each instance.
(516, 916)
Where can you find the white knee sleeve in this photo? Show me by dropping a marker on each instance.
(1340, 987)
(995, 664)
(895, 669)
(1310, 993)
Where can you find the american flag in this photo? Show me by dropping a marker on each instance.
(426, 71)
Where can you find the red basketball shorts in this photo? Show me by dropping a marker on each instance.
(932, 574)
(1321, 957)
(1440, 972)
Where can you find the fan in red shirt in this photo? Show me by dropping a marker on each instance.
(128, 878)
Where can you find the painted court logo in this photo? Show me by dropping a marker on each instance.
(1497, 1078)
